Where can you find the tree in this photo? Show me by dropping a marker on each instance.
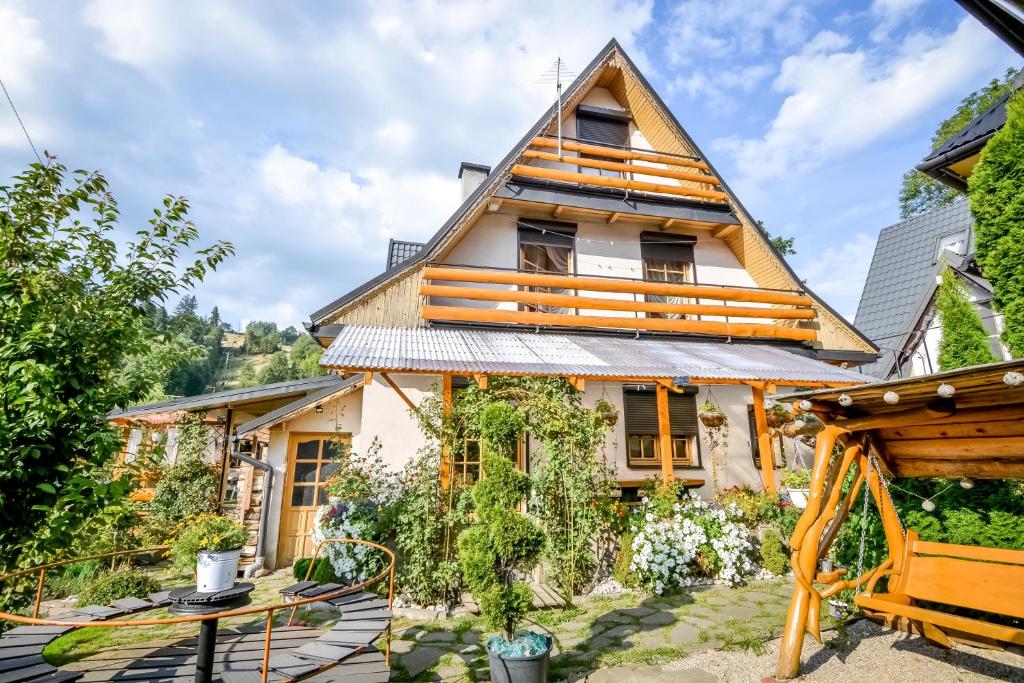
(262, 337)
(277, 370)
(920, 193)
(783, 245)
(306, 357)
(289, 334)
(964, 340)
(997, 203)
(73, 311)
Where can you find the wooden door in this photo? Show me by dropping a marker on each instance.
(312, 459)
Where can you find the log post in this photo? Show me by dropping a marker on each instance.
(805, 557)
(446, 450)
(664, 433)
(764, 441)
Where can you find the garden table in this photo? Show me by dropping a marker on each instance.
(189, 601)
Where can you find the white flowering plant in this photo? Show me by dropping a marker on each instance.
(685, 541)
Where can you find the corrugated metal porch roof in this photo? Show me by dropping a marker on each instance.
(470, 351)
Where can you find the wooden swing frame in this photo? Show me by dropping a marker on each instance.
(968, 424)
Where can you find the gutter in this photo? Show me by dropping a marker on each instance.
(268, 487)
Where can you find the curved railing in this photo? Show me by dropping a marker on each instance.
(293, 605)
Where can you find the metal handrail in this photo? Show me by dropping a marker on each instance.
(34, 620)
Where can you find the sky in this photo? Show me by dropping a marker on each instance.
(309, 133)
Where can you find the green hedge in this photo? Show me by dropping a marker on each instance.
(110, 586)
(323, 572)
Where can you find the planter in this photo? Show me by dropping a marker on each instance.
(216, 570)
(776, 420)
(712, 420)
(798, 497)
(531, 669)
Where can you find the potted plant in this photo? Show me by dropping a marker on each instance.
(606, 412)
(210, 545)
(502, 544)
(711, 416)
(778, 415)
(798, 483)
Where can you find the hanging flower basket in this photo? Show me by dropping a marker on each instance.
(606, 412)
(778, 416)
(710, 415)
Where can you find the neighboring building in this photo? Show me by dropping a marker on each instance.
(897, 308)
(617, 259)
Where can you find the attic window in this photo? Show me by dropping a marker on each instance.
(953, 242)
(600, 126)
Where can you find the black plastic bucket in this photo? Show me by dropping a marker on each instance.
(532, 669)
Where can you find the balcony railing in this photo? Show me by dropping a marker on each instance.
(620, 167)
(549, 300)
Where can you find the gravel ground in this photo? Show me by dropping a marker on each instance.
(874, 654)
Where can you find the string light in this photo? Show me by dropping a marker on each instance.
(1013, 379)
(845, 400)
(946, 390)
(891, 397)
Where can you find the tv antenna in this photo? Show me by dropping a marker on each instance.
(555, 74)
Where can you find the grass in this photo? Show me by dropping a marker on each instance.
(655, 656)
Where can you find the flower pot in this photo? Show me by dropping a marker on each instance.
(798, 497)
(712, 420)
(776, 420)
(216, 570)
(529, 669)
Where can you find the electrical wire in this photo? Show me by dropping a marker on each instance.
(20, 122)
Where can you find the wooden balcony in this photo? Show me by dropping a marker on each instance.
(587, 164)
(463, 294)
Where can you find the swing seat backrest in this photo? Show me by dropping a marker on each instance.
(986, 579)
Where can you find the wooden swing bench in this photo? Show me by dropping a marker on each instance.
(984, 579)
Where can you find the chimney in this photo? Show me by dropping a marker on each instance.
(471, 176)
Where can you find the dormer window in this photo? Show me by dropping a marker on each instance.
(597, 125)
(667, 258)
(954, 243)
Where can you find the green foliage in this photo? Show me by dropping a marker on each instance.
(989, 514)
(759, 507)
(305, 357)
(206, 532)
(277, 370)
(783, 245)
(262, 337)
(71, 579)
(189, 486)
(503, 541)
(964, 340)
(622, 567)
(920, 193)
(322, 572)
(773, 553)
(74, 311)
(997, 204)
(797, 478)
(110, 586)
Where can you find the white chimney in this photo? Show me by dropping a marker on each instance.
(471, 176)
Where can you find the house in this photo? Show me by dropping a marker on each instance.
(607, 251)
(897, 307)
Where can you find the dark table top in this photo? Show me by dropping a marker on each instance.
(187, 600)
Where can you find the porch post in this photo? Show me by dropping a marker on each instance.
(664, 433)
(764, 441)
(446, 451)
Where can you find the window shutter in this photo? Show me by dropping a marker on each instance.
(602, 126)
(641, 409)
(667, 247)
(547, 233)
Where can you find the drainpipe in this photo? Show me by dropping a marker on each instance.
(268, 487)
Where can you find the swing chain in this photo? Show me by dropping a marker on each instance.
(864, 521)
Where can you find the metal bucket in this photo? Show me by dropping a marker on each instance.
(216, 571)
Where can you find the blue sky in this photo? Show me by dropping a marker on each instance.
(309, 133)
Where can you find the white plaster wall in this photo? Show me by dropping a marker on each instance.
(385, 417)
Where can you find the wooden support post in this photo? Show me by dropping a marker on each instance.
(578, 383)
(764, 443)
(481, 381)
(446, 451)
(804, 558)
(367, 378)
(664, 433)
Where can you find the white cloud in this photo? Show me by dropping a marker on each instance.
(890, 14)
(21, 47)
(837, 273)
(839, 101)
(396, 133)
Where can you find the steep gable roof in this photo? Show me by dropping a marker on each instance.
(902, 274)
(665, 133)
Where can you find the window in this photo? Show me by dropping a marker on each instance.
(641, 418)
(600, 126)
(546, 247)
(316, 461)
(778, 450)
(954, 243)
(466, 461)
(667, 258)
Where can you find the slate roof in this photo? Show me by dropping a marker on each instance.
(219, 399)
(902, 271)
(470, 351)
(400, 251)
(977, 131)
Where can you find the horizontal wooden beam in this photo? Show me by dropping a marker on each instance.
(607, 304)
(614, 153)
(596, 284)
(620, 183)
(624, 168)
(492, 315)
(955, 468)
(980, 428)
(971, 447)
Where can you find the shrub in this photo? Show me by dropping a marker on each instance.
(773, 553)
(206, 532)
(110, 586)
(621, 569)
(693, 541)
(188, 488)
(964, 339)
(72, 579)
(322, 572)
(503, 541)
